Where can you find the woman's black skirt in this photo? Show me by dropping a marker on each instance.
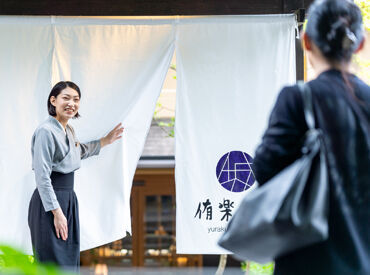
(46, 246)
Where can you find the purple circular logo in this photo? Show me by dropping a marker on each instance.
(234, 171)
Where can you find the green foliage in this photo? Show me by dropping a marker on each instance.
(167, 127)
(258, 269)
(365, 10)
(13, 261)
(158, 108)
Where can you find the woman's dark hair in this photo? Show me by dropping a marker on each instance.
(335, 26)
(56, 91)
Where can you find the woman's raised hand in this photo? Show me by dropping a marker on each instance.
(60, 223)
(112, 136)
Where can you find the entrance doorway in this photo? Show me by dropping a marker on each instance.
(153, 240)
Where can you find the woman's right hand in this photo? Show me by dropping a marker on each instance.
(60, 223)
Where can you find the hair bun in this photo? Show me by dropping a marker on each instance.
(340, 28)
(332, 34)
(335, 27)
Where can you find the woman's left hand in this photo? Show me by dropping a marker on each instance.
(112, 136)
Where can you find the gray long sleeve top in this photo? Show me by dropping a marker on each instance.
(54, 149)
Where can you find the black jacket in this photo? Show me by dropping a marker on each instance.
(347, 139)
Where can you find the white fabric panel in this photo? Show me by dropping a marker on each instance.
(25, 62)
(120, 66)
(229, 72)
(120, 69)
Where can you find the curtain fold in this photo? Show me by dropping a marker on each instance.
(25, 61)
(229, 72)
(120, 66)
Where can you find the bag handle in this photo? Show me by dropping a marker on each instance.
(307, 103)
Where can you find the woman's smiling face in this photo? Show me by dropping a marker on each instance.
(66, 104)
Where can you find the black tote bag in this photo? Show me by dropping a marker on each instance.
(290, 210)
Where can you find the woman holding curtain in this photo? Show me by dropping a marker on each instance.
(56, 153)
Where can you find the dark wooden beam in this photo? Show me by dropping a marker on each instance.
(148, 7)
(290, 6)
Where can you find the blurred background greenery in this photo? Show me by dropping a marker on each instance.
(13, 261)
(252, 268)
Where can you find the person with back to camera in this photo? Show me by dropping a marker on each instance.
(53, 211)
(341, 103)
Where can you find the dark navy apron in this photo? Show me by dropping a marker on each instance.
(46, 246)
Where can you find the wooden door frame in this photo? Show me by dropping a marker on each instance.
(147, 182)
